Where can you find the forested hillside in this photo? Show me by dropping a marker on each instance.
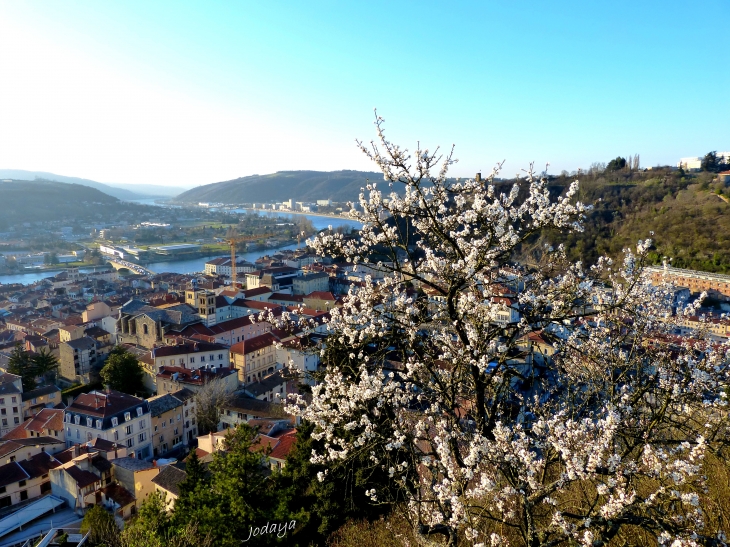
(688, 213)
(282, 185)
(27, 201)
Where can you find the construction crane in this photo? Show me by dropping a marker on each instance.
(232, 242)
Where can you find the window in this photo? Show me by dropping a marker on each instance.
(52, 396)
(192, 359)
(220, 356)
(155, 429)
(14, 399)
(98, 424)
(129, 430)
(175, 431)
(35, 400)
(172, 421)
(2, 400)
(139, 411)
(202, 359)
(89, 436)
(15, 410)
(24, 495)
(142, 437)
(78, 434)
(89, 422)
(16, 420)
(162, 438)
(116, 435)
(142, 424)
(115, 422)
(130, 442)
(164, 424)
(145, 329)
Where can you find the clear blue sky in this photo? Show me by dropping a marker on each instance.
(190, 93)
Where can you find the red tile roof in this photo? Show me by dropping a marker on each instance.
(284, 446)
(252, 344)
(321, 295)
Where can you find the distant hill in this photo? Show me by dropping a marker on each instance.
(282, 185)
(121, 191)
(32, 200)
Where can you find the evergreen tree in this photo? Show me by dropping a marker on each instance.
(44, 363)
(197, 475)
(21, 364)
(321, 507)
(240, 495)
(153, 527)
(123, 372)
(616, 164)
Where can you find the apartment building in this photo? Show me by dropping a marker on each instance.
(11, 402)
(278, 279)
(192, 355)
(255, 358)
(311, 282)
(78, 360)
(222, 266)
(696, 281)
(173, 421)
(112, 416)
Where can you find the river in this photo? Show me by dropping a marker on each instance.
(194, 264)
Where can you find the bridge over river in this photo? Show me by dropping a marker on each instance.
(118, 264)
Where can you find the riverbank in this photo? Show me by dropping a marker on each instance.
(186, 265)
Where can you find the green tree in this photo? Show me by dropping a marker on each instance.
(710, 162)
(21, 364)
(153, 527)
(102, 527)
(123, 372)
(197, 475)
(616, 164)
(45, 364)
(321, 507)
(240, 495)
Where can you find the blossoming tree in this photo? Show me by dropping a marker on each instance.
(512, 404)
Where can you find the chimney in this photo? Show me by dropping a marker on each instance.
(478, 177)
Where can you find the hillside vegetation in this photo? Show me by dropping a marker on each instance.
(32, 200)
(282, 185)
(688, 213)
